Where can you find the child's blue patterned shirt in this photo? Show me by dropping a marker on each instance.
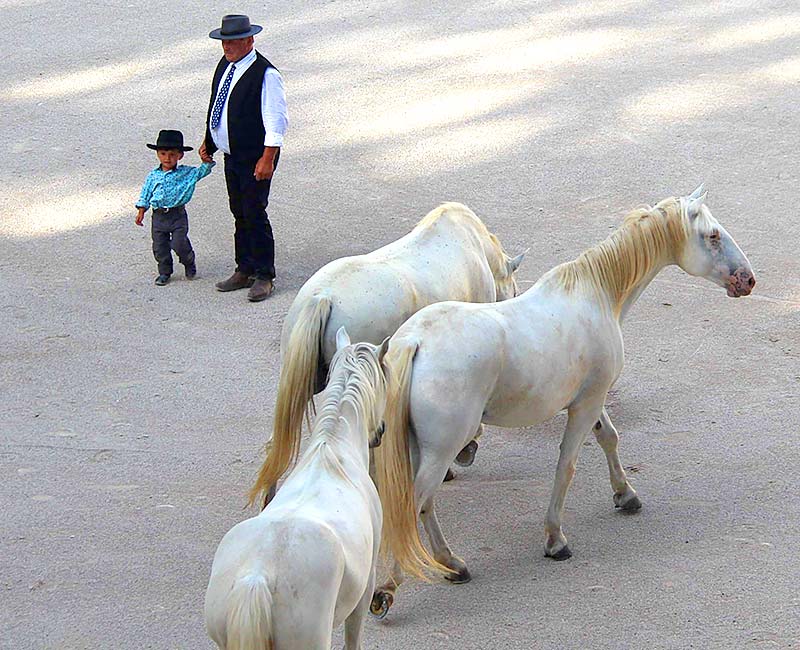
(173, 188)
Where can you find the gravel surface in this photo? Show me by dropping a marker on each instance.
(133, 416)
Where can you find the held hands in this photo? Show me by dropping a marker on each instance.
(204, 153)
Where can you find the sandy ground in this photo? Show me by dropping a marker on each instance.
(132, 416)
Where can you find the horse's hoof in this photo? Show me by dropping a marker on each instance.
(631, 505)
(381, 602)
(449, 476)
(466, 456)
(563, 554)
(460, 577)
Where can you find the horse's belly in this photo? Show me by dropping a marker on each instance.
(512, 413)
(521, 403)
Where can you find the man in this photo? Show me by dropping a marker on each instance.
(247, 121)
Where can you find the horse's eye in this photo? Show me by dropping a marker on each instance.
(714, 235)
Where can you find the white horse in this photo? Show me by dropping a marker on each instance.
(449, 255)
(519, 362)
(286, 578)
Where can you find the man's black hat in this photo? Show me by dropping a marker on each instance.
(235, 26)
(169, 139)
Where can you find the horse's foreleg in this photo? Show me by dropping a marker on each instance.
(441, 550)
(354, 623)
(607, 437)
(581, 417)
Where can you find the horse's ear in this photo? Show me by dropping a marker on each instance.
(698, 192)
(514, 262)
(342, 338)
(693, 209)
(383, 349)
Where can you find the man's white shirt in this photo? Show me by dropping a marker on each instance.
(273, 105)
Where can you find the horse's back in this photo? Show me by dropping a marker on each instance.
(269, 542)
(301, 558)
(513, 363)
(372, 295)
(344, 504)
(335, 562)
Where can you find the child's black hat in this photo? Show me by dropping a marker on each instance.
(169, 139)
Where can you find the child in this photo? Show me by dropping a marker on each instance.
(167, 190)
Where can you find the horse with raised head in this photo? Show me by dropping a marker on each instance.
(288, 576)
(519, 362)
(449, 255)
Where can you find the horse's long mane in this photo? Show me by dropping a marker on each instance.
(356, 379)
(460, 213)
(616, 266)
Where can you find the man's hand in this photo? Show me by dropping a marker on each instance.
(266, 164)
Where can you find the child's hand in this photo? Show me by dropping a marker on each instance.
(139, 219)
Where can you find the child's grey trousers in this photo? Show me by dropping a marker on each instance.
(170, 230)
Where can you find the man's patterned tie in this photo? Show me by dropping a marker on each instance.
(216, 113)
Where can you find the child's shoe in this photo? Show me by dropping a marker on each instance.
(161, 280)
(191, 271)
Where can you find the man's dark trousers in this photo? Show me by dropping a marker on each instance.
(170, 231)
(253, 240)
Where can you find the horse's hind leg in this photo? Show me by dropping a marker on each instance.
(427, 480)
(304, 627)
(624, 495)
(466, 456)
(441, 550)
(383, 598)
(430, 473)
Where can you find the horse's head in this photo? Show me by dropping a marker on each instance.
(505, 283)
(710, 252)
(371, 362)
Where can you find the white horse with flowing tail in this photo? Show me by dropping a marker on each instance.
(449, 255)
(519, 362)
(286, 578)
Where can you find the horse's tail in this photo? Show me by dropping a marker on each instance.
(249, 621)
(400, 535)
(295, 393)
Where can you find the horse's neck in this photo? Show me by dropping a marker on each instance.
(638, 289)
(343, 433)
(625, 264)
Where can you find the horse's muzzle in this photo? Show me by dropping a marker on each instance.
(741, 283)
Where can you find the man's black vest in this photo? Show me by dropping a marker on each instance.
(245, 122)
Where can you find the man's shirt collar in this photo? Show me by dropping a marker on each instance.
(247, 59)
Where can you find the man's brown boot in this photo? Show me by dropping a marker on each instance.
(237, 281)
(261, 290)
